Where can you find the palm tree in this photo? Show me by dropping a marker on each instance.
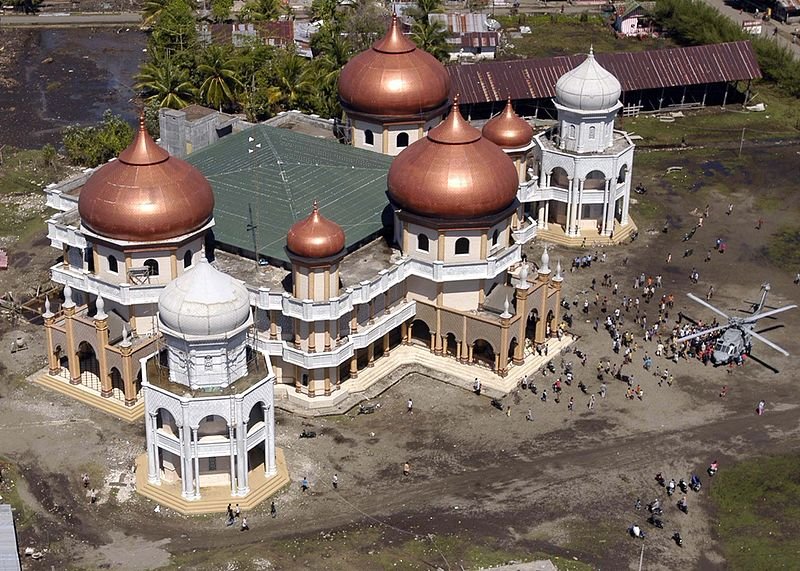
(168, 85)
(260, 10)
(293, 79)
(431, 37)
(218, 72)
(152, 10)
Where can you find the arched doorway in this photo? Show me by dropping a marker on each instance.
(512, 348)
(551, 323)
(483, 353)
(117, 385)
(169, 463)
(214, 470)
(89, 366)
(255, 421)
(420, 333)
(451, 345)
(530, 331)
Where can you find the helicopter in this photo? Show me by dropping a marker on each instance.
(738, 333)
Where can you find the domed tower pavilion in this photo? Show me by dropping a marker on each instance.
(393, 93)
(584, 164)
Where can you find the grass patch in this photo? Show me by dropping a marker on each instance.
(758, 505)
(568, 34)
(24, 516)
(783, 248)
(26, 170)
(781, 120)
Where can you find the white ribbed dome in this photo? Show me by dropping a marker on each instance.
(589, 87)
(204, 301)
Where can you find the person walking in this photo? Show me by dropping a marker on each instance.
(245, 527)
(273, 511)
(571, 404)
(230, 512)
(590, 406)
(410, 406)
(529, 416)
(760, 407)
(237, 511)
(406, 469)
(304, 484)
(335, 482)
(508, 411)
(603, 391)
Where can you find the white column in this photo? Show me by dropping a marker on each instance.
(571, 207)
(541, 222)
(270, 467)
(606, 194)
(579, 210)
(196, 465)
(186, 465)
(153, 476)
(232, 445)
(241, 458)
(626, 198)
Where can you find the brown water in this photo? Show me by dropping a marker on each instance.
(91, 70)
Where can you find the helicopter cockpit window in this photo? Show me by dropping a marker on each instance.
(731, 349)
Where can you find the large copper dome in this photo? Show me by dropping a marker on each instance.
(393, 78)
(453, 173)
(315, 236)
(508, 130)
(145, 195)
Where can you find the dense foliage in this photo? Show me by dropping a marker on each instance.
(694, 22)
(92, 146)
(261, 80)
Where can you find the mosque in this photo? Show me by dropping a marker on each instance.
(151, 327)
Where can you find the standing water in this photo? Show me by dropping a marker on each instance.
(52, 78)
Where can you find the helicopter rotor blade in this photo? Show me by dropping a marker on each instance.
(708, 305)
(770, 343)
(703, 332)
(769, 313)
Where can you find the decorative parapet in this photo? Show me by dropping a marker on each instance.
(124, 293)
(526, 233)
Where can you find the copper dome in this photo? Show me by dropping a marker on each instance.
(393, 78)
(315, 236)
(508, 130)
(453, 173)
(145, 195)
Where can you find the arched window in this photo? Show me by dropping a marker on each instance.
(495, 237)
(623, 174)
(152, 265)
(423, 243)
(113, 264)
(572, 131)
(462, 246)
(187, 259)
(402, 140)
(369, 138)
(591, 132)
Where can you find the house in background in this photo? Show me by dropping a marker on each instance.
(634, 19)
(275, 33)
(472, 36)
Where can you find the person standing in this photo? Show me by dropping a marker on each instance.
(245, 527)
(304, 484)
(335, 482)
(410, 406)
(230, 512)
(603, 391)
(590, 406)
(760, 407)
(529, 416)
(571, 404)
(406, 469)
(237, 511)
(273, 511)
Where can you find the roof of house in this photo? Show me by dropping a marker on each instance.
(282, 30)
(536, 78)
(281, 178)
(9, 554)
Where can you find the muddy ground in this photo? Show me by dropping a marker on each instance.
(563, 484)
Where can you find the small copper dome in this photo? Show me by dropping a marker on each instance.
(508, 130)
(393, 78)
(453, 173)
(145, 195)
(315, 236)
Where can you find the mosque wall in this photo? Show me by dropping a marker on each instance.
(456, 238)
(461, 295)
(413, 232)
(421, 289)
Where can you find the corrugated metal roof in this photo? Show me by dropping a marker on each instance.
(9, 552)
(282, 177)
(536, 78)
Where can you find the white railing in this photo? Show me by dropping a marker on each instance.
(60, 234)
(335, 357)
(168, 442)
(526, 233)
(527, 189)
(125, 294)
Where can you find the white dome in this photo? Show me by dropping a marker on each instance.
(204, 301)
(589, 87)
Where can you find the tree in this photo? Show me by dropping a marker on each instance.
(221, 10)
(174, 28)
(162, 81)
(218, 71)
(431, 37)
(292, 78)
(260, 10)
(324, 10)
(364, 22)
(423, 8)
(92, 146)
(49, 156)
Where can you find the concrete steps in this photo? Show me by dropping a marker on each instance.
(556, 235)
(108, 405)
(213, 499)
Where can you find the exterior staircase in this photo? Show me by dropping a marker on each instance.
(80, 393)
(213, 499)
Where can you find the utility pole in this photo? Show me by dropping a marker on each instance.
(741, 143)
(251, 227)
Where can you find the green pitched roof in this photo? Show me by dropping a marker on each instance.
(282, 176)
